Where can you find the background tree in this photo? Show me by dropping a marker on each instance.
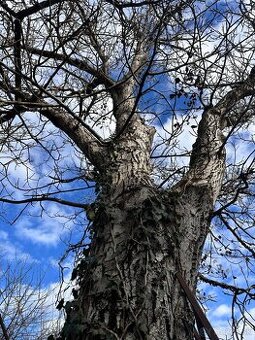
(26, 308)
(120, 81)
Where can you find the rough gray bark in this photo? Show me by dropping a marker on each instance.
(141, 236)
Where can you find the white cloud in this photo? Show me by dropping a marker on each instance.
(179, 142)
(221, 320)
(224, 330)
(55, 292)
(19, 171)
(48, 233)
(102, 121)
(241, 145)
(222, 310)
(3, 235)
(47, 230)
(54, 263)
(12, 251)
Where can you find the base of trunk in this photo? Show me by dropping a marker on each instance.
(128, 287)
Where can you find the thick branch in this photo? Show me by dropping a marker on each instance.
(207, 159)
(83, 136)
(92, 147)
(124, 98)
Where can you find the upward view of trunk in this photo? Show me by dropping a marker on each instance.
(141, 237)
(87, 85)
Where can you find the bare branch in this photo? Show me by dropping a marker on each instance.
(233, 288)
(44, 198)
(30, 10)
(4, 330)
(80, 64)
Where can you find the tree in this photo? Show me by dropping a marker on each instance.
(120, 81)
(25, 307)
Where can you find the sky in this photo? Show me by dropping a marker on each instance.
(39, 234)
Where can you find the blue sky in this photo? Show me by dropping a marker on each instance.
(40, 232)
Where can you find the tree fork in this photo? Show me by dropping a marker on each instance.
(141, 236)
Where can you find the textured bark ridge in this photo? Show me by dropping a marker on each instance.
(127, 165)
(207, 162)
(128, 287)
(141, 237)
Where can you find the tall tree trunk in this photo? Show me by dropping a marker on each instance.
(141, 236)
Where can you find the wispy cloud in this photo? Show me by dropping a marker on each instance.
(222, 310)
(47, 230)
(12, 251)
